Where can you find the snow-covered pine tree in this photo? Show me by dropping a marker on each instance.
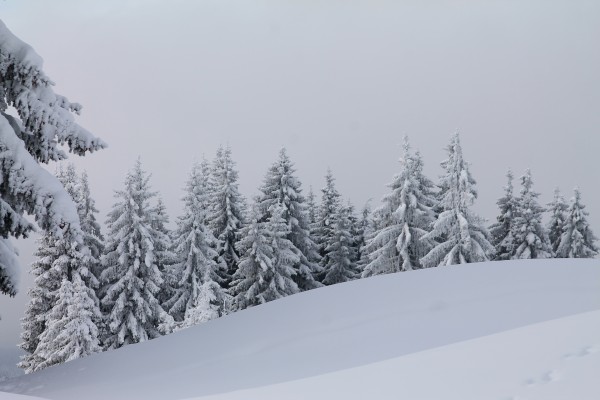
(194, 276)
(501, 231)
(282, 187)
(227, 210)
(130, 277)
(163, 253)
(72, 331)
(556, 226)
(324, 226)
(44, 123)
(406, 217)
(577, 240)
(92, 235)
(311, 207)
(530, 237)
(464, 238)
(60, 258)
(266, 268)
(341, 253)
(42, 296)
(364, 234)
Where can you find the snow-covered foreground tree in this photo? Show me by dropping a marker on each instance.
(45, 122)
(501, 232)
(281, 187)
(72, 331)
(530, 237)
(266, 269)
(461, 233)
(197, 295)
(130, 277)
(227, 211)
(60, 260)
(577, 240)
(405, 218)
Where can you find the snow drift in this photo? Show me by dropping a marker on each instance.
(347, 339)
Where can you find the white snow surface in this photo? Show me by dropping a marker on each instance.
(527, 329)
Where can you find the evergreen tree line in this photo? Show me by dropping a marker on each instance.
(142, 280)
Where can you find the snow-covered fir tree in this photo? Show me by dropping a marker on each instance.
(340, 249)
(266, 268)
(577, 240)
(406, 217)
(462, 235)
(364, 234)
(92, 235)
(60, 258)
(530, 237)
(130, 277)
(163, 253)
(324, 225)
(42, 123)
(556, 226)
(72, 331)
(311, 206)
(197, 294)
(282, 187)
(501, 231)
(227, 210)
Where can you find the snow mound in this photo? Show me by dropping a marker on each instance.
(407, 329)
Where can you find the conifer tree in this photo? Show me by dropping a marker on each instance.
(531, 239)
(164, 255)
(341, 253)
(72, 331)
(92, 235)
(501, 231)
(406, 217)
(130, 276)
(556, 226)
(227, 211)
(266, 268)
(324, 226)
(42, 123)
(577, 240)
(364, 234)
(283, 188)
(59, 258)
(311, 206)
(462, 234)
(197, 295)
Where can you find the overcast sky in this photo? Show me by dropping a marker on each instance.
(336, 82)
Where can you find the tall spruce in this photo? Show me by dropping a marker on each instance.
(60, 259)
(558, 215)
(340, 249)
(461, 233)
(92, 235)
(266, 268)
(163, 252)
(531, 239)
(197, 294)
(501, 231)
(227, 211)
(325, 220)
(282, 187)
(405, 218)
(130, 275)
(364, 234)
(577, 240)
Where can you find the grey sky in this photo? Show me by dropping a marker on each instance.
(336, 82)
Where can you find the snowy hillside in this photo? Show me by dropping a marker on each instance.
(504, 330)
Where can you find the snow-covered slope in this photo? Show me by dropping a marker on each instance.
(413, 335)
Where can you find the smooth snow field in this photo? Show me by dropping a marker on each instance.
(499, 330)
